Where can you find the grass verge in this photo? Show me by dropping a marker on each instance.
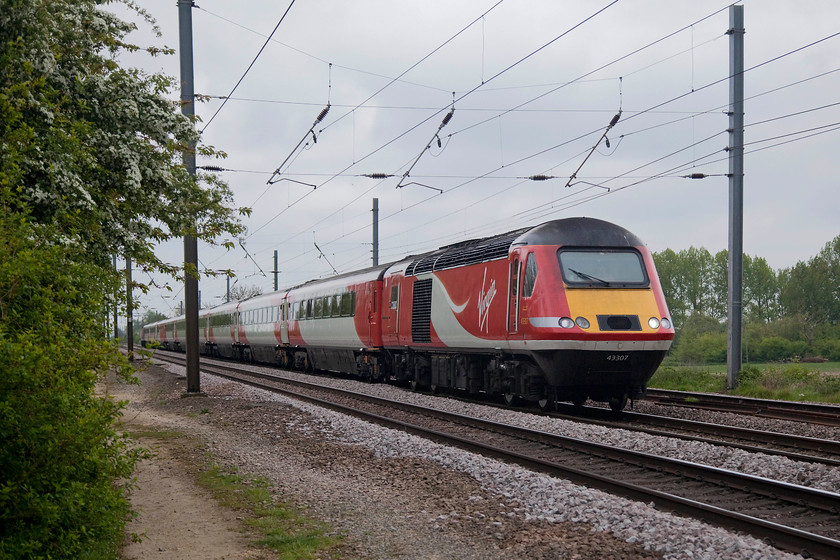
(283, 529)
(792, 382)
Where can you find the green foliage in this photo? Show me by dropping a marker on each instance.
(828, 348)
(811, 290)
(790, 315)
(702, 340)
(777, 349)
(90, 166)
(94, 148)
(60, 455)
(791, 382)
(688, 379)
(796, 382)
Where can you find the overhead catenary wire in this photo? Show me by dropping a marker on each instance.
(407, 173)
(310, 55)
(470, 92)
(664, 174)
(752, 123)
(292, 3)
(274, 176)
(493, 78)
(754, 67)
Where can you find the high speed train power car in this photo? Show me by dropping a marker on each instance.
(569, 310)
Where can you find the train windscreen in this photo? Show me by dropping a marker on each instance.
(603, 268)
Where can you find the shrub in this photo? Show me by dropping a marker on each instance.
(829, 349)
(777, 349)
(60, 455)
(708, 348)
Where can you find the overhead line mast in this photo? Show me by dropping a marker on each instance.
(190, 242)
(736, 193)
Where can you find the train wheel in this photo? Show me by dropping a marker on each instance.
(414, 385)
(511, 399)
(617, 404)
(547, 404)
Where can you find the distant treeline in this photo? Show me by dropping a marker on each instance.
(789, 314)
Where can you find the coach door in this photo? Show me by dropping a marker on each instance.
(284, 318)
(234, 327)
(513, 295)
(391, 307)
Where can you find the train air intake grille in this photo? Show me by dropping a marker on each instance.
(421, 312)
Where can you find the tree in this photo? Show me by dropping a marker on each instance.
(241, 293)
(92, 147)
(688, 282)
(89, 167)
(761, 290)
(811, 290)
(718, 297)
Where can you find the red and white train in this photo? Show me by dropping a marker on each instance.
(568, 310)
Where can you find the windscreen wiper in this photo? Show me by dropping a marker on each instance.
(586, 276)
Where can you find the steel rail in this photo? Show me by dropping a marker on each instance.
(792, 446)
(815, 413)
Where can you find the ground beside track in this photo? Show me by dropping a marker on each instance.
(383, 507)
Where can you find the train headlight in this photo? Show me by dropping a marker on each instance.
(666, 323)
(582, 322)
(566, 323)
(653, 322)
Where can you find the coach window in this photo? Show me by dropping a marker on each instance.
(530, 276)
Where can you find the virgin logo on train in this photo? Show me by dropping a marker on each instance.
(484, 301)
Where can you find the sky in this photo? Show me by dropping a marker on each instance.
(534, 86)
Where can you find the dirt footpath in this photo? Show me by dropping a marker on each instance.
(179, 519)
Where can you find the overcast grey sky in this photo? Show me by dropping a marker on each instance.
(664, 64)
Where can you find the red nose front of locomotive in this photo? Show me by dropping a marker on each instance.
(595, 316)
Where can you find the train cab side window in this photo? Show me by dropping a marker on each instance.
(530, 276)
(395, 296)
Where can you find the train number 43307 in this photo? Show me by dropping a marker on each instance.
(618, 357)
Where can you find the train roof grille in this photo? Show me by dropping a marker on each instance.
(465, 253)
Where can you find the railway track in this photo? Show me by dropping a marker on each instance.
(791, 517)
(794, 447)
(815, 413)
